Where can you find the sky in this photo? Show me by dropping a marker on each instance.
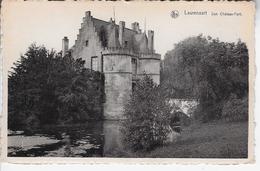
(46, 23)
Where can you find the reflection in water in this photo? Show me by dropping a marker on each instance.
(67, 144)
(113, 146)
(99, 139)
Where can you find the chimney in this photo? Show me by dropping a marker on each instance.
(87, 17)
(88, 14)
(135, 27)
(65, 46)
(122, 33)
(150, 40)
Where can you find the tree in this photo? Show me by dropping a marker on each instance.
(146, 116)
(206, 69)
(45, 88)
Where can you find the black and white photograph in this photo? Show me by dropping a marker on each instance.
(128, 79)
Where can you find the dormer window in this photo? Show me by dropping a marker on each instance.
(86, 43)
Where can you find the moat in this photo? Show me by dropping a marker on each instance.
(93, 139)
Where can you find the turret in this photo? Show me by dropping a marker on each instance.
(150, 40)
(122, 33)
(65, 46)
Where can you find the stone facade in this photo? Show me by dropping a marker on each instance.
(122, 54)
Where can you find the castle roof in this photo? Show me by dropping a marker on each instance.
(99, 23)
(108, 33)
(112, 29)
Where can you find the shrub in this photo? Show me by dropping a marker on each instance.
(146, 123)
(235, 109)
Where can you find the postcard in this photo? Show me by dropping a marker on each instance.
(127, 82)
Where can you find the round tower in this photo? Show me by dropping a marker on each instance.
(150, 65)
(118, 81)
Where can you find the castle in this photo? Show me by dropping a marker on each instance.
(122, 54)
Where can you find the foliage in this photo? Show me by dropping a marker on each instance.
(206, 69)
(235, 109)
(146, 117)
(45, 88)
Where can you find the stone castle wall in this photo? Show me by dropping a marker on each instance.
(117, 68)
(116, 62)
(150, 65)
(87, 44)
(118, 81)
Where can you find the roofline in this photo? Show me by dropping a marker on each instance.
(115, 24)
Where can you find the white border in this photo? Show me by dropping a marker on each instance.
(173, 166)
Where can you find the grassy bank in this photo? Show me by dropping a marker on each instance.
(211, 140)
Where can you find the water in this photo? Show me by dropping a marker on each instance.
(96, 139)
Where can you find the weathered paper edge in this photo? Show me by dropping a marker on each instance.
(63, 160)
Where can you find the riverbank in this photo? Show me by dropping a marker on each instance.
(210, 140)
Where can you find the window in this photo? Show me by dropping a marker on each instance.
(134, 66)
(94, 63)
(133, 86)
(86, 43)
(126, 43)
